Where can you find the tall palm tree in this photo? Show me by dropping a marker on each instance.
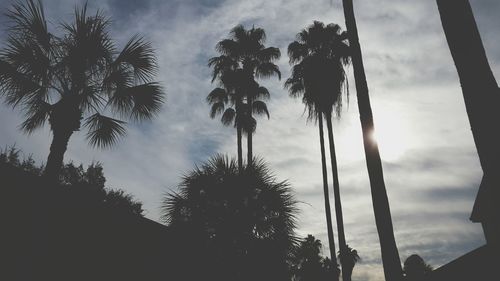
(318, 76)
(383, 220)
(77, 75)
(245, 51)
(481, 97)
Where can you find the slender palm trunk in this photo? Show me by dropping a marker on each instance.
(57, 149)
(338, 205)
(249, 137)
(239, 135)
(331, 240)
(482, 98)
(383, 220)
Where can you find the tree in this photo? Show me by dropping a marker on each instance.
(415, 268)
(224, 100)
(383, 220)
(78, 75)
(349, 258)
(87, 185)
(309, 265)
(481, 97)
(319, 56)
(244, 57)
(240, 219)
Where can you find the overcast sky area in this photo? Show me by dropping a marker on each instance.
(431, 168)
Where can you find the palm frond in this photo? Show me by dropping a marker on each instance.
(216, 109)
(37, 114)
(218, 95)
(266, 70)
(139, 54)
(269, 54)
(103, 131)
(228, 117)
(259, 108)
(262, 93)
(28, 21)
(221, 64)
(228, 47)
(87, 46)
(147, 99)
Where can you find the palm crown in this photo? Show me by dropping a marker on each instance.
(243, 58)
(318, 57)
(79, 75)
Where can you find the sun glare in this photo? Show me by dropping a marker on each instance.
(392, 137)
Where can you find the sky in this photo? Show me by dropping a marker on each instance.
(431, 168)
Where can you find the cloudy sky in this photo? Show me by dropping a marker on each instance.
(431, 169)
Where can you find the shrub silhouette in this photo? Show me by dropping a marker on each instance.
(241, 222)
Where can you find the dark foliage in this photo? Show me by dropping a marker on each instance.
(88, 183)
(307, 263)
(415, 268)
(242, 223)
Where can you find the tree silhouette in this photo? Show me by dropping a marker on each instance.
(482, 97)
(415, 269)
(349, 258)
(383, 220)
(243, 58)
(318, 76)
(309, 265)
(244, 219)
(86, 185)
(77, 75)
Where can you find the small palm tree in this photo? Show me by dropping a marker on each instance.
(243, 218)
(245, 56)
(318, 58)
(349, 258)
(77, 76)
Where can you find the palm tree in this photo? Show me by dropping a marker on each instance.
(244, 52)
(481, 97)
(307, 261)
(78, 75)
(319, 55)
(223, 102)
(349, 258)
(383, 220)
(245, 219)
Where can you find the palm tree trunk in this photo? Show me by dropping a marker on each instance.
(249, 137)
(482, 98)
(338, 205)
(57, 149)
(331, 240)
(383, 220)
(239, 134)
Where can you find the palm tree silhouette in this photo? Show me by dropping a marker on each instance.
(323, 52)
(223, 101)
(349, 258)
(243, 217)
(244, 53)
(79, 75)
(383, 220)
(319, 56)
